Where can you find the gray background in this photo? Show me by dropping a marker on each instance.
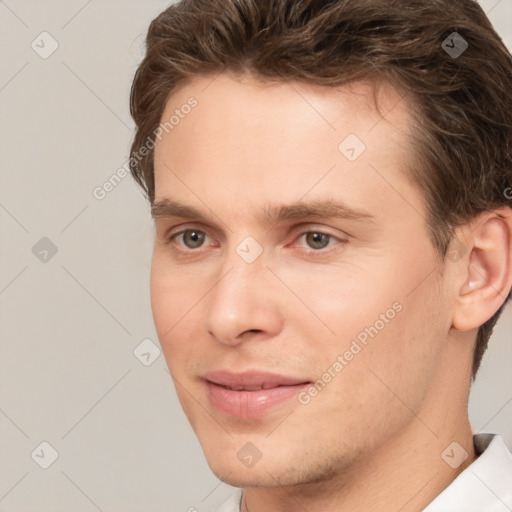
(70, 324)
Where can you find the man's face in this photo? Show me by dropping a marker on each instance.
(261, 267)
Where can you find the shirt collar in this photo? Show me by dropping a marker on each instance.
(485, 485)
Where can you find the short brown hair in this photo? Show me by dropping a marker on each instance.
(462, 104)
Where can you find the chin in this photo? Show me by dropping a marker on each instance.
(237, 472)
(275, 470)
(235, 479)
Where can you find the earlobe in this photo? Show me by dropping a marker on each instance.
(487, 269)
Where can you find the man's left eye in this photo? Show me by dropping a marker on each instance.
(316, 240)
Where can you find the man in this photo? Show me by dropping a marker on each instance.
(331, 188)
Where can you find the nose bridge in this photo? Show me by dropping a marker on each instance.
(240, 285)
(241, 300)
(246, 263)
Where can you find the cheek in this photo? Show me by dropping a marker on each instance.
(396, 368)
(381, 381)
(386, 335)
(339, 301)
(174, 296)
(174, 291)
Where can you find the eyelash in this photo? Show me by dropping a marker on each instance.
(332, 238)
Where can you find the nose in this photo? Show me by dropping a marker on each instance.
(243, 304)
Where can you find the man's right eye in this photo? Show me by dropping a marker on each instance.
(190, 238)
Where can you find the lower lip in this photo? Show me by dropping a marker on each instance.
(250, 404)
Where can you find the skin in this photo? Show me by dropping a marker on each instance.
(372, 439)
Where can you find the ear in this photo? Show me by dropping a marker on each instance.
(485, 274)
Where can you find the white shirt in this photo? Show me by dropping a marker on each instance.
(484, 486)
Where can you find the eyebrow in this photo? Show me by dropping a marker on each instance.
(272, 214)
(166, 208)
(314, 209)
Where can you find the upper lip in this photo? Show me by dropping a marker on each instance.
(251, 379)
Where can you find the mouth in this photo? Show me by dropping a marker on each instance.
(252, 388)
(251, 394)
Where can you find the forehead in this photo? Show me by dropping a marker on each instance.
(245, 137)
(329, 102)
